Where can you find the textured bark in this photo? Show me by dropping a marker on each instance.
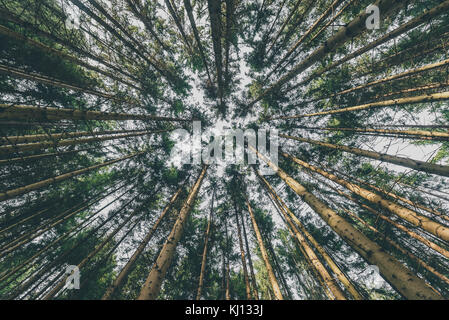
(406, 283)
(274, 284)
(23, 112)
(411, 216)
(405, 162)
(411, 233)
(150, 290)
(395, 196)
(119, 281)
(400, 249)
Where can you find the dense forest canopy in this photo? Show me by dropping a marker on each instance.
(99, 198)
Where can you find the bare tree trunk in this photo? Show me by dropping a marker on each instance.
(150, 290)
(341, 276)
(405, 162)
(21, 112)
(354, 28)
(41, 184)
(411, 216)
(119, 281)
(206, 242)
(242, 253)
(250, 260)
(271, 276)
(406, 283)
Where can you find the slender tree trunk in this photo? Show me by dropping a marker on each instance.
(57, 136)
(395, 196)
(433, 97)
(413, 134)
(312, 28)
(119, 281)
(175, 17)
(278, 34)
(204, 257)
(250, 260)
(12, 161)
(23, 112)
(17, 73)
(150, 290)
(64, 43)
(271, 276)
(41, 184)
(412, 234)
(405, 162)
(356, 27)
(214, 7)
(404, 74)
(12, 34)
(341, 276)
(406, 283)
(242, 253)
(320, 269)
(400, 249)
(196, 34)
(70, 142)
(97, 249)
(411, 216)
(391, 35)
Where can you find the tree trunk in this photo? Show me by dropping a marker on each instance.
(341, 276)
(70, 142)
(204, 257)
(271, 276)
(22, 112)
(405, 162)
(250, 261)
(189, 10)
(354, 28)
(411, 216)
(150, 290)
(41, 184)
(242, 253)
(119, 281)
(391, 35)
(441, 96)
(406, 283)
